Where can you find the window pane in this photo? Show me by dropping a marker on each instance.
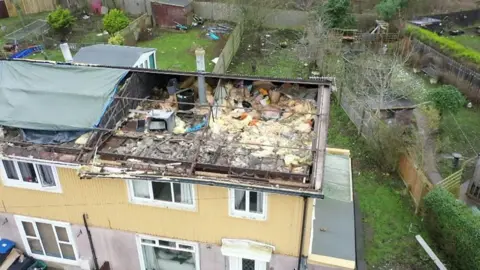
(28, 172)
(140, 189)
(185, 247)
(166, 243)
(10, 169)
(35, 246)
(240, 199)
(28, 228)
(174, 259)
(256, 202)
(48, 239)
(62, 234)
(46, 175)
(67, 251)
(162, 191)
(148, 241)
(183, 193)
(248, 264)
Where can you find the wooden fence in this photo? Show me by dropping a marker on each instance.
(132, 32)
(462, 72)
(30, 6)
(229, 50)
(452, 182)
(415, 179)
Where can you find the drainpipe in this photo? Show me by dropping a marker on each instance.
(304, 222)
(92, 248)
(200, 57)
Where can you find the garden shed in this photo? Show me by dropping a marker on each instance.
(167, 13)
(115, 55)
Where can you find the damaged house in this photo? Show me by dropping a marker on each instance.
(106, 168)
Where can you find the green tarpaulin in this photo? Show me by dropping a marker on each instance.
(54, 97)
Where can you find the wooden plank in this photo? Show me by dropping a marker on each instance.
(12, 11)
(430, 252)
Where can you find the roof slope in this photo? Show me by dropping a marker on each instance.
(54, 97)
(110, 55)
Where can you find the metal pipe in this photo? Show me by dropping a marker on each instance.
(92, 248)
(304, 221)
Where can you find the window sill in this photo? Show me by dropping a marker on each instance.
(56, 260)
(173, 206)
(243, 215)
(33, 187)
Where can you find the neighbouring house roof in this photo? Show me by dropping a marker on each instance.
(110, 55)
(178, 3)
(54, 97)
(333, 231)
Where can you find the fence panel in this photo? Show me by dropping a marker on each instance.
(414, 178)
(132, 32)
(462, 72)
(30, 6)
(229, 50)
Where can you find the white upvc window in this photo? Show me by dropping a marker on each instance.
(160, 253)
(246, 254)
(163, 194)
(29, 174)
(248, 204)
(48, 240)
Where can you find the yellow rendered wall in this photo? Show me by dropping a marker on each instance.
(106, 203)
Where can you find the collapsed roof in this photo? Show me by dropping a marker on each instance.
(252, 133)
(54, 97)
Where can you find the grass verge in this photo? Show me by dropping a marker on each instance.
(390, 225)
(176, 50)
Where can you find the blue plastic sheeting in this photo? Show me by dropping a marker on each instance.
(27, 52)
(55, 97)
(50, 137)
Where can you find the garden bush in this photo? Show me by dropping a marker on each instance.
(445, 44)
(116, 39)
(115, 21)
(454, 228)
(446, 98)
(61, 21)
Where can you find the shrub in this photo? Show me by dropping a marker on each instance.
(454, 228)
(447, 45)
(446, 98)
(338, 13)
(61, 20)
(387, 9)
(117, 39)
(115, 21)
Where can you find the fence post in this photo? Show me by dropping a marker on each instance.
(360, 129)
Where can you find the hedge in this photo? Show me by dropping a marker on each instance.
(445, 44)
(454, 228)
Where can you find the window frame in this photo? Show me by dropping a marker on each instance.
(195, 246)
(19, 183)
(65, 225)
(159, 203)
(246, 214)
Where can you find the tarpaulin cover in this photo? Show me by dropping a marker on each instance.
(54, 97)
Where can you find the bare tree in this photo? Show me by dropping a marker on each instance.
(373, 77)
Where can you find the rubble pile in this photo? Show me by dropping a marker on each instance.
(260, 127)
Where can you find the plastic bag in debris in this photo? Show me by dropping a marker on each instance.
(179, 126)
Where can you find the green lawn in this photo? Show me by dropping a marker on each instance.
(468, 40)
(390, 225)
(282, 64)
(52, 55)
(274, 60)
(176, 50)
